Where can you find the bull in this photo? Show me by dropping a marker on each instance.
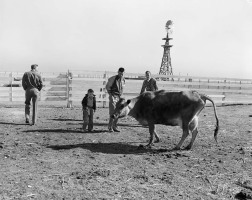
(167, 108)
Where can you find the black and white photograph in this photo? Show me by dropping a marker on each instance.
(125, 99)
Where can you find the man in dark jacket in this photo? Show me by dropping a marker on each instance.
(114, 88)
(149, 84)
(32, 84)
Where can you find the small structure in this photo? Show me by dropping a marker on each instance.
(166, 67)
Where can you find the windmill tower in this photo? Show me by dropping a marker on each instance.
(166, 67)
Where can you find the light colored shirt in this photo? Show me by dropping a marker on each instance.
(115, 85)
(90, 101)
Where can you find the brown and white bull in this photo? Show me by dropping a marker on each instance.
(168, 108)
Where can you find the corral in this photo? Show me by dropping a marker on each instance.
(70, 87)
(56, 160)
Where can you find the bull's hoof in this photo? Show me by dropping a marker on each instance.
(176, 149)
(148, 146)
(188, 147)
(142, 147)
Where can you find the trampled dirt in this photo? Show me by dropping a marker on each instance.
(55, 160)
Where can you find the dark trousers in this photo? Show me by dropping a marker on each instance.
(88, 115)
(31, 94)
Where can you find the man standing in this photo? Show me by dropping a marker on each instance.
(149, 84)
(32, 84)
(114, 88)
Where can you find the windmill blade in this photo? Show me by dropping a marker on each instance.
(168, 23)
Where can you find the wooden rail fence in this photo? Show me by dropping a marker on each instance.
(70, 87)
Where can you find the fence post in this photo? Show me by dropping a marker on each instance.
(68, 77)
(223, 99)
(10, 91)
(104, 96)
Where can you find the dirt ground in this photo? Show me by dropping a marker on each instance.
(55, 160)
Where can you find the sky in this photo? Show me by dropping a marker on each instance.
(211, 38)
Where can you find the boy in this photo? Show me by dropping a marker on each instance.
(88, 107)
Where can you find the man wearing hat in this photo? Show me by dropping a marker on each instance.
(32, 84)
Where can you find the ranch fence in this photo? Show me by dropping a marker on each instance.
(70, 87)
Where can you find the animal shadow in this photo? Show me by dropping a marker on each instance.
(119, 124)
(108, 148)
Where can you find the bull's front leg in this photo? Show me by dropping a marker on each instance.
(152, 133)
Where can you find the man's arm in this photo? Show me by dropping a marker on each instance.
(40, 86)
(110, 83)
(143, 87)
(155, 84)
(24, 81)
(94, 104)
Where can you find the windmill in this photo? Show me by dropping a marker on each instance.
(166, 67)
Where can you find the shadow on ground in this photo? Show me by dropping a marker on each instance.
(119, 124)
(118, 148)
(63, 131)
(108, 148)
(60, 119)
(12, 123)
(98, 123)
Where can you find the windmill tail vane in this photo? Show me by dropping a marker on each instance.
(168, 23)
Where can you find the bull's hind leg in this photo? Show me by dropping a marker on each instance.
(185, 127)
(194, 129)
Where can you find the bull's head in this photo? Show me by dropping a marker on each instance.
(122, 109)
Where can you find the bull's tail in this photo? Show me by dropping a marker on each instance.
(204, 98)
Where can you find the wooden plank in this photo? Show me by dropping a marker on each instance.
(54, 98)
(58, 82)
(55, 94)
(200, 78)
(177, 84)
(81, 79)
(4, 89)
(52, 88)
(202, 84)
(48, 79)
(15, 98)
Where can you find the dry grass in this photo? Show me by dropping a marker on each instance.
(55, 160)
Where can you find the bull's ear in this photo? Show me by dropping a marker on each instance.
(128, 101)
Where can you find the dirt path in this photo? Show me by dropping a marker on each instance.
(55, 160)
